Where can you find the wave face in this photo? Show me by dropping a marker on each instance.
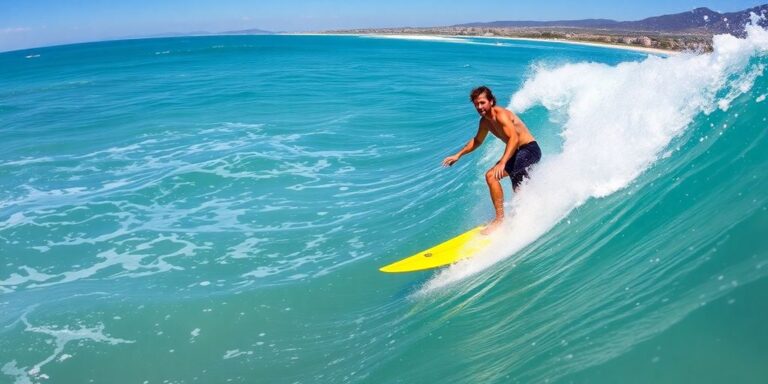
(215, 209)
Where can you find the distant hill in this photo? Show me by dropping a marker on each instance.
(699, 20)
(247, 32)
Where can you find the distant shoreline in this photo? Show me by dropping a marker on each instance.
(648, 50)
(657, 51)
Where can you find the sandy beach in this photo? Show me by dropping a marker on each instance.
(654, 51)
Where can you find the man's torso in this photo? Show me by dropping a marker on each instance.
(524, 136)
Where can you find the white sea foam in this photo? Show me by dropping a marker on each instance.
(261, 272)
(616, 121)
(318, 240)
(27, 161)
(231, 354)
(15, 219)
(61, 337)
(194, 334)
(20, 374)
(132, 264)
(30, 275)
(241, 125)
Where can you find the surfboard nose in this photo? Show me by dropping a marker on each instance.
(446, 253)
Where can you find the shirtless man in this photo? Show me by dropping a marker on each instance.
(521, 152)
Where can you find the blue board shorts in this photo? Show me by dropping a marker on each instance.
(517, 165)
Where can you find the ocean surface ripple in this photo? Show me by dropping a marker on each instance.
(215, 209)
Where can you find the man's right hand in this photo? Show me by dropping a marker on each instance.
(450, 160)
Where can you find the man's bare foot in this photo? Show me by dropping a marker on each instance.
(491, 227)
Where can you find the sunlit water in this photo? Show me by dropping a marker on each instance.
(215, 209)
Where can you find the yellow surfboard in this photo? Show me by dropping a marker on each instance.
(449, 252)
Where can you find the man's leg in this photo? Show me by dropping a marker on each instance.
(497, 198)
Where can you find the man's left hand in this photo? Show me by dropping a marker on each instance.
(498, 171)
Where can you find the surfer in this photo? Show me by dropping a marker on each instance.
(520, 153)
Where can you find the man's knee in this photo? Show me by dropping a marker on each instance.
(490, 177)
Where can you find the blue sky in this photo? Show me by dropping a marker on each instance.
(34, 23)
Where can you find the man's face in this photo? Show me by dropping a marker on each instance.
(483, 105)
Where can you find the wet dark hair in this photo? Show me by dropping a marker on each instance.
(479, 91)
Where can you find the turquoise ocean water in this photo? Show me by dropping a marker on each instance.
(215, 209)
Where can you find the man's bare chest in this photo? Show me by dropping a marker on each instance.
(496, 129)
